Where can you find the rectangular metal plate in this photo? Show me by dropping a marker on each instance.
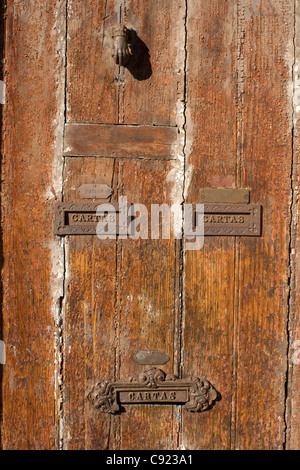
(232, 220)
(219, 219)
(152, 357)
(224, 195)
(79, 218)
(95, 191)
(153, 386)
(154, 396)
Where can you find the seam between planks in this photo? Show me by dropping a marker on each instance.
(59, 346)
(240, 89)
(292, 244)
(180, 347)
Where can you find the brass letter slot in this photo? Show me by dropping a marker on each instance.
(73, 218)
(231, 220)
(153, 387)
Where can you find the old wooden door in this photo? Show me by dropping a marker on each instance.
(209, 99)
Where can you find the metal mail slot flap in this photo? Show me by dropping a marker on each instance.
(73, 218)
(231, 219)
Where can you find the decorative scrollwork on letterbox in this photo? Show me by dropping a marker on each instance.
(153, 387)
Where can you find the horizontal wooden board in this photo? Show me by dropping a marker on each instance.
(96, 140)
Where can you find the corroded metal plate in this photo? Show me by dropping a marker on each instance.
(152, 358)
(154, 396)
(153, 387)
(95, 191)
(231, 220)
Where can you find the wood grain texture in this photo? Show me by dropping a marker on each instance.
(92, 91)
(206, 102)
(153, 81)
(120, 141)
(2, 55)
(236, 292)
(139, 310)
(34, 68)
(147, 307)
(293, 402)
(146, 91)
(120, 300)
(209, 273)
(89, 329)
(264, 266)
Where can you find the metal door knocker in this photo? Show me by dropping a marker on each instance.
(121, 51)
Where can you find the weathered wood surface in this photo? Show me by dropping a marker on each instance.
(293, 402)
(134, 307)
(78, 310)
(209, 273)
(89, 320)
(138, 307)
(236, 292)
(84, 140)
(34, 66)
(2, 54)
(264, 266)
(101, 92)
(120, 300)
(147, 308)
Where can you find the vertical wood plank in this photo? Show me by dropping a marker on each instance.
(92, 85)
(147, 299)
(209, 273)
(35, 77)
(152, 83)
(2, 54)
(264, 269)
(120, 299)
(141, 314)
(89, 318)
